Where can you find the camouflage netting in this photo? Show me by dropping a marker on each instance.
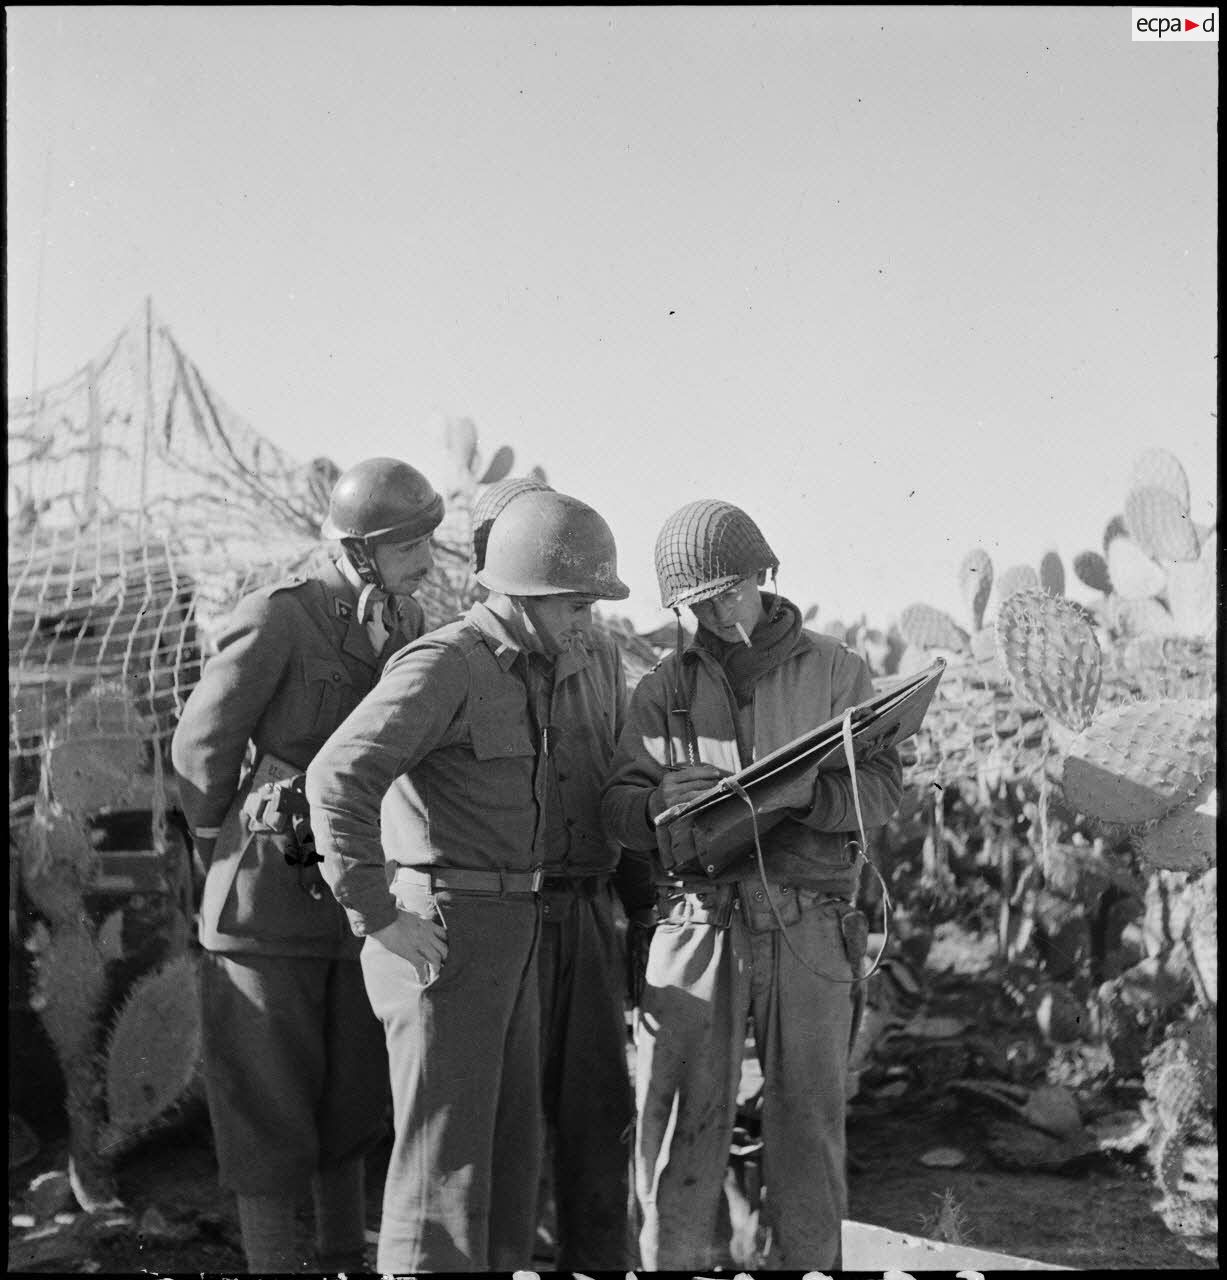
(140, 509)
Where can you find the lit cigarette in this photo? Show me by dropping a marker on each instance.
(741, 631)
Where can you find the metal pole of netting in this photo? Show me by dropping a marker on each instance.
(148, 432)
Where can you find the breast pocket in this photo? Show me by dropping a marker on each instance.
(500, 737)
(330, 693)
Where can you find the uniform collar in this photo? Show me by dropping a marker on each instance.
(343, 597)
(506, 648)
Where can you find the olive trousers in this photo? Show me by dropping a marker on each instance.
(464, 1057)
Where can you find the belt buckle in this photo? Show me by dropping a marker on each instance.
(537, 880)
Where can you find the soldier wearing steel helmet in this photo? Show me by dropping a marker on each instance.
(457, 772)
(775, 942)
(294, 1060)
(586, 1089)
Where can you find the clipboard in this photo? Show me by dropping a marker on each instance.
(886, 718)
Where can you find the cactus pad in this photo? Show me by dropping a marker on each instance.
(1137, 762)
(1092, 569)
(1191, 595)
(1113, 529)
(1160, 469)
(1159, 525)
(975, 584)
(1052, 574)
(71, 984)
(925, 627)
(1203, 935)
(1134, 574)
(1185, 839)
(1050, 651)
(1139, 618)
(154, 1048)
(1019, 577)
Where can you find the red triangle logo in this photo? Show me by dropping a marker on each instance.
(1189, 24)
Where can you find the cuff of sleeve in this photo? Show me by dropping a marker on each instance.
(364, 923)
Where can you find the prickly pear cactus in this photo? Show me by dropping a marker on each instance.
(1113, 529)
(1052, 574)
(1138, 762)
(70, 986)
(1185, 839)
(1160, 525)
(1134, 574)
(1019, 577)
(1092, 569)
(1201, 936)
(1181, 1081)
(1191, 596)
(1139, 617)
(925, 627)
(153, 1052)
(1051, 654)
(1160, 469)
(976, 583)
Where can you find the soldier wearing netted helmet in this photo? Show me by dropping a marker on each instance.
(773, 939)
(438, 806)
(294, 1061)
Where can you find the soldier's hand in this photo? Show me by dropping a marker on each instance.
(684, 783)
(414, 938)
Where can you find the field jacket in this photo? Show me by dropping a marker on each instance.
(815, 680)
(462, 758)
(291, 664)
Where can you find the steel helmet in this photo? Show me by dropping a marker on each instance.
(704, 548)
(549, 544)
(382, 498)
(491, 503)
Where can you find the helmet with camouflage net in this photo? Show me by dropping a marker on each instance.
(704, 548)
(550, 544)
(490, 503)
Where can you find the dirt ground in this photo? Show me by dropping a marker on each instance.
(176, 1220)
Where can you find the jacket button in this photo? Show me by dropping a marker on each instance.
(545, 908)
(758, 895)
(783, 888)
(336, 676)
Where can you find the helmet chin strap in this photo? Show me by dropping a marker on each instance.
(362, 556)
(528, 626)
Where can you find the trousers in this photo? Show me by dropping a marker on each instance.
(294, 1068)
(704, 982)
(587, 1091)
(464, 1059)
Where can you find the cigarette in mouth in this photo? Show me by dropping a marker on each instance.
(741, 631)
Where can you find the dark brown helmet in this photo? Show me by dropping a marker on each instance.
(378, 500)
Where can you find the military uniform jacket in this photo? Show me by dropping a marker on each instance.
(816, 679)
(292, 663)
(463, 757)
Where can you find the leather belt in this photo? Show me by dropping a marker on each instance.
(583, 885)
(467, 880)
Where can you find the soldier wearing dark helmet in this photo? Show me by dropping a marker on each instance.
(774, 939)
(295, 1067)
(438, 805)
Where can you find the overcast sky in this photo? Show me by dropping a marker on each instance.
(900, 281)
